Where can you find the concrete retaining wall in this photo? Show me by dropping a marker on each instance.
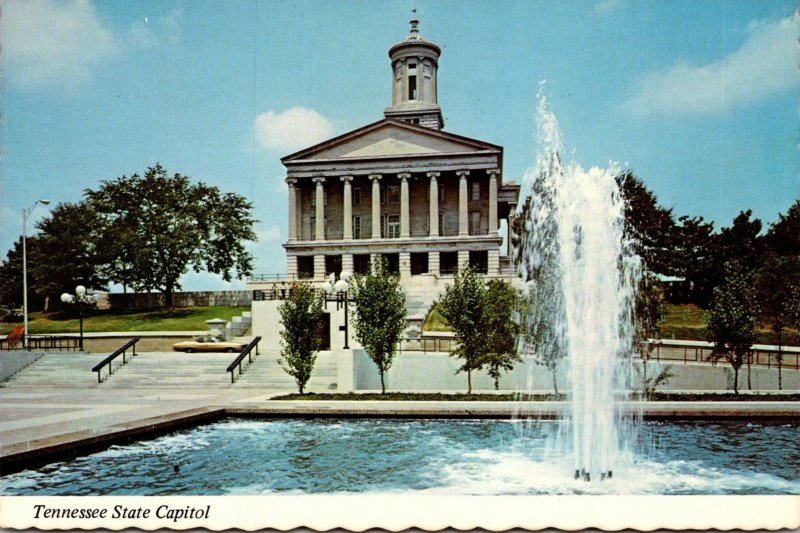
(180, 299)
(431, 372)
(13, 362)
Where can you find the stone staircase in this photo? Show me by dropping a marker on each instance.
(168, 370)
(57, 370)
(266, 373)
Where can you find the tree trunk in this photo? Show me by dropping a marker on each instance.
(749, 360)
(301, 386)
(736, 380)
(383, 383)
(469, 381)
(497, 383)
(168, 301)
(555, 381)
(780, 360)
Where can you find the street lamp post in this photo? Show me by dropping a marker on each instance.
(340, 289)
(25, 213)
(79, 298)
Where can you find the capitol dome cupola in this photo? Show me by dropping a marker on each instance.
(415, 62)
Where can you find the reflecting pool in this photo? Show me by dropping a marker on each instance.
(459, 457)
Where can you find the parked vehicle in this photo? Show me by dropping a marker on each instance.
(208, 343)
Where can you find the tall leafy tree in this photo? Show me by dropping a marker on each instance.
(783, 237)
(157, 226)
(380, 315)
(71, 254)
(652, 226)
(499, 306)
(301, 316)
(11, 274)
(463, 306)
(732, 319)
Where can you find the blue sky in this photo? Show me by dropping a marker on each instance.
(698, 98)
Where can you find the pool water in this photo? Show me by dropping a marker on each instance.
(458, 457)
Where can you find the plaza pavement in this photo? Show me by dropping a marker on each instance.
(39, 425)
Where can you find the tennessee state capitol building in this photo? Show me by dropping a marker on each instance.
(425, 199)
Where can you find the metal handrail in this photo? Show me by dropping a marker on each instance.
(237, 363)
(107, 361)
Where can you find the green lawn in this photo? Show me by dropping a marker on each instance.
(179, 319)
(681, 321)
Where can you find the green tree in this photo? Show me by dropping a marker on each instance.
(500, 304)
(379, 315)
(301, 316)
(73, 256)
(776, 282)
(652, 227)
(156, 227)
(783, 237)
(463, 306)
(732, 319)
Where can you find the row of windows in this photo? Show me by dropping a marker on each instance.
(391, 194)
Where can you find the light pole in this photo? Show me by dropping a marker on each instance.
(340, 289)
(25, 213)
(80, 298)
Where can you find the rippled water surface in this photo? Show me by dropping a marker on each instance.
(463, 457)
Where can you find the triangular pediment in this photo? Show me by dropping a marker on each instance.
(390, 138)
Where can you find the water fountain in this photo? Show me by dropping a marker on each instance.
(581, 275)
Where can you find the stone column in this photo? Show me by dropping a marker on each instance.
(292, 209)
(433, 263)
(420, 78)
(376, 205)
(493, 263)
(405, 225)
(433, 209)
(463, 205)
(348, 209)
(320, 213)
(291, 266)
(493, 174)
(347, 263)
(510, 233)
(319, 267)
(405, 265)
(463, 258)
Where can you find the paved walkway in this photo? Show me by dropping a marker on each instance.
(37, 424)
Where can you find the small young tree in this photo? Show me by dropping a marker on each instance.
(776, 281)
(379, 315)
(732, 320)
(463, 306)
(500, 304)
(301, 315)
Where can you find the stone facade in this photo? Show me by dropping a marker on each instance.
(427, 200)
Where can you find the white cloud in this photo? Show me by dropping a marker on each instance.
(292, 129)
(765, 65)
(55, 44)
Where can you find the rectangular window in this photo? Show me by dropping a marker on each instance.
(356, 227)
(441, 224)
(383, 194)
(313, 228)
(476, 191)
(474, 223)
(441, 193)
(393, 226)
(393, 194)
(383, 226)
(412, 87)
(356, 195)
